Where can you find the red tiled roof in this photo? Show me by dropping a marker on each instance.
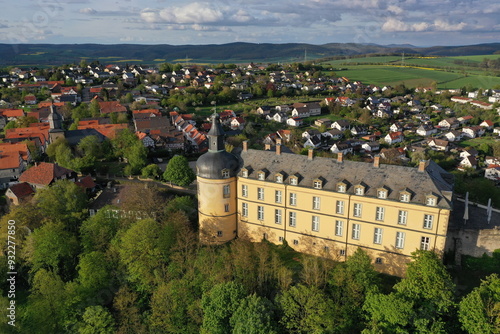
(111, 106)
(21, 189)
(39, 130)
(44, 173)
(86, 182)
(9, 160)
(21, 148)
(147, 111)
(107, 130)
(12, 112)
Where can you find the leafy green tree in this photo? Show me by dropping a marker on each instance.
(172, 305)
(63, 201)
(143, 249)
(97, 320)
(51, 247)
(350, 283)
(479, 311)
(179, 172)
(218, 305)
(97, 231)
(305, 309)
(90, 146)
(426, 293)
(151, 171)
(255, 315)
(46, 307)
(94, 272)
(128, 313)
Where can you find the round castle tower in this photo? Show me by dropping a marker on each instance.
(216, 177)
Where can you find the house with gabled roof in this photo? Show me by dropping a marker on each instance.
(44, 174)
(108, 107)
(468, 162)
(394, 137)
(19, 193)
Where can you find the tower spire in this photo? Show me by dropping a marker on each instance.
(216, 135)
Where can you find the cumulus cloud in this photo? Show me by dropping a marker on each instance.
(441, 25)
(194, 13)
(395, 25)
(88, 11)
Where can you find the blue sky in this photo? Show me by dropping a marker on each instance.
(417, 22)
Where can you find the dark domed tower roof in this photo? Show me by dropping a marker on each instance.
(211, 164)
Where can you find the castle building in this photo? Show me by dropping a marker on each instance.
(322, 205)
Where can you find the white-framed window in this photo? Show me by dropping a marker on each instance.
(341, 188)
(359, 191)
(315, 223)
(295, 242)
(430, 201)
(357, 209)
(277, 216)
(428, 220)
(244, 209)
(294, 181)
(260, 194)
(280, 239)
(382, 193)
(377, 235)
(326, 249)
(226, 190)
(244, 190)
(425, 243)
(402, 217)
(279, 178)
(226, 207)
(225, 173)
(293, 219)
(400, 240)
(219, 234)
(339, 207)
(379, 215)
(378, 260)
(342, 252)
(339, 228)
(293, 199)
(404, 197)
(264, 236)
(260, 212)
(277, 196)
(261, 176)
(317, 184)
(316, 202)
(356, 230)
(244, 173)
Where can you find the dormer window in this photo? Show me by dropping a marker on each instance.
(317, 184)
(279, 178)
(244, 172)
(359, 190)
(225, 173)
(430, 200)
(261, 175)
(294, 180)
(405, 196)
(341, 187)
(382, 193)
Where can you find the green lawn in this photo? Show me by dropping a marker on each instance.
(476, 142)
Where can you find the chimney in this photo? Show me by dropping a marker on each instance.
(278, 141)
(268, 147)
(340, 157)
(278, 149)
(376, 161)
(245, 145)
(422, 165)
(310, 154)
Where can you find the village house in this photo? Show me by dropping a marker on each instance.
(19, 193)
(426, 130)
(394, 137)
(492, 172)
(341, 125)
(468, 162)
(44, 174)
(438, 144)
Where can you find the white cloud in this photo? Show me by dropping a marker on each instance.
(88, 10)
(441, 25)
(393, 24)
(194, 13)
(395, 9)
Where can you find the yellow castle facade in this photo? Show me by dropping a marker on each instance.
(322, 206)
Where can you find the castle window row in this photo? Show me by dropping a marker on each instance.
(405, 195)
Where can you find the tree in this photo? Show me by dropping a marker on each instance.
(51, 247)
(97, 320)
(96, 232)
(305, 309)
(255, 315)
(151, 171)
(90, 146)
(218, 305)
(179, 172)
(427, 293)
(63, 201)
(128, 314)
(94, 272)
(479, 311)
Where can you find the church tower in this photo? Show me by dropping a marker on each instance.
(55, 122)
(216, 178)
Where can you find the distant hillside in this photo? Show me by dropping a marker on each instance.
(58, 54)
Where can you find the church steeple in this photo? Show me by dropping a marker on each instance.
(216, 135)
(54, 119)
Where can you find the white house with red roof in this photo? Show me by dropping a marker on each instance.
(394, 137)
